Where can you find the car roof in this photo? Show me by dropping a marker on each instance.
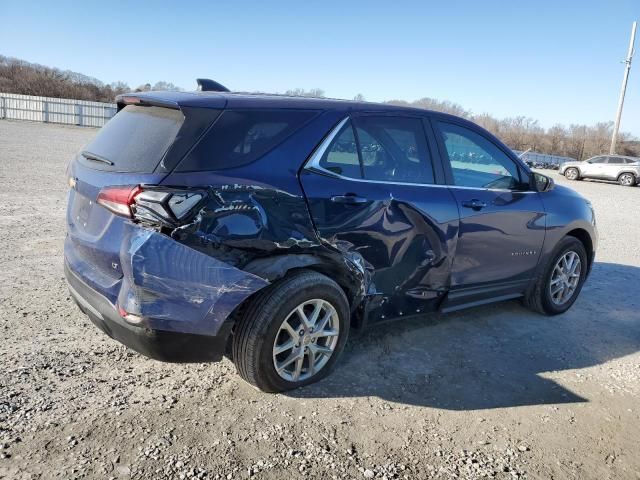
(628, 157)
(209, 99)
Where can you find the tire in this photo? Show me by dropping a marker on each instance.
(261, 329)
(627, 180)
(572, 174)
(539, 298)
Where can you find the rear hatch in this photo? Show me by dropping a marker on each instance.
(140, 145)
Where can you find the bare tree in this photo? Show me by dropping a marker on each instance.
(301, 92)
(519, 133)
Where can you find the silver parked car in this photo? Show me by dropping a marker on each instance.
(624, 170)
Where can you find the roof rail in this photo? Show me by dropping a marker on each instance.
(208, 85)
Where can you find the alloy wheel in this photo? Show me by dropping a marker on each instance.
(565, 278)
(571, 174)
(306, 340)
(626, 179)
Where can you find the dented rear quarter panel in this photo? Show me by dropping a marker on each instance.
(256, 217)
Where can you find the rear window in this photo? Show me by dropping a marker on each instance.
(135, 140)
(241, 136)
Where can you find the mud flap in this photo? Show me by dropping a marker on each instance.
(176, 288)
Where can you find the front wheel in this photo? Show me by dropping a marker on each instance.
(627, 180)
(572, 174)
(558, 286)
(292, 333)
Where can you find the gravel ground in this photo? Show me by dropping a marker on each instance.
(495, 392)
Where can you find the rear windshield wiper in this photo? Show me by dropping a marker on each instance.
(95, 158)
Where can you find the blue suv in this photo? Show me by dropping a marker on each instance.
(265, 227)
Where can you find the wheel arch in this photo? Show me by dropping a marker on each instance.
(630, 172)
(585, 238)
(276, 267)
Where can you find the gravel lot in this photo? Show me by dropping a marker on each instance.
(492, 392)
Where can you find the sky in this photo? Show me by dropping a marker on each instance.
(555, 61)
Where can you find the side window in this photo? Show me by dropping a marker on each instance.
(394, 149)
(240, 137)
(598, 160)
(616, 160)
(476, 161)
(342, 156)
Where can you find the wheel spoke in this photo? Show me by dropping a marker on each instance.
(311, 355)
(291, 331)
(288, 345)
(327, 333)
(323, 323)
(557, 289)
(322, 350)
(298, 368)
(317, 308)
(303, 317)
(576, 267)
(287, 361)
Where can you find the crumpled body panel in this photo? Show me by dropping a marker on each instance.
(176, 288)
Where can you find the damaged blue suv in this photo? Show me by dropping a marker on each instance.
(265, 227)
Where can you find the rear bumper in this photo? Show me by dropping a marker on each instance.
(157, 344)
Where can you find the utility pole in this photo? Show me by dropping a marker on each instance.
(623, 90)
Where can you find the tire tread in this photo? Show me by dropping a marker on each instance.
(249, 336)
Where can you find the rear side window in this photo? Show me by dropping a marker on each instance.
(394, 149)
(342, 155)
(135, 140)
(386, 149)
(240, 137)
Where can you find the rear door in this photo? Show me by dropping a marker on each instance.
(614, 167)
(502, 221)
(373, 192)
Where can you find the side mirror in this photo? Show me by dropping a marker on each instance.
(541, 183)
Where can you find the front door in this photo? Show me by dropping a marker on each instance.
(372, 192)
(502, 221)
(594, 167)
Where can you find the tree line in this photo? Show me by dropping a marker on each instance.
(520, 133)
(25, 78)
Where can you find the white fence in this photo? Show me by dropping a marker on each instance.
(536, 157)
(55, 110)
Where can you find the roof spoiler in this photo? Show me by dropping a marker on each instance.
(143, 100)
(208, 85)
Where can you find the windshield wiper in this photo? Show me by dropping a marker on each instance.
(95, 158)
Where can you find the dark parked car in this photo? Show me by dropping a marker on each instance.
(266, 227)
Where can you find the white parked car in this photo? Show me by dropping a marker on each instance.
(624, 170)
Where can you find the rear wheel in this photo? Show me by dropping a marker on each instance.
(572, 174)
(292, 334)
(627, 180)
(559, 285)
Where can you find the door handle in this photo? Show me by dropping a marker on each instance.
(475, 204)
(349, 199)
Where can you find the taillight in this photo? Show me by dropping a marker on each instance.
(130, 317)
(169, 207)
(118, 199)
